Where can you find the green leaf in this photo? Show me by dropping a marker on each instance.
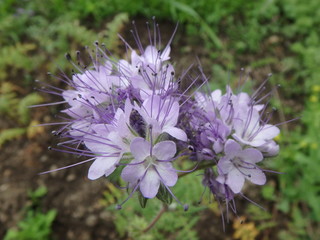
(10, 134)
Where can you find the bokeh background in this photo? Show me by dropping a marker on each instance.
(265, 36)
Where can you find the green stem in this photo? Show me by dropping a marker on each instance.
(198, 168)
(156, 219)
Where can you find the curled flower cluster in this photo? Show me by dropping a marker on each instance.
(232, 132)
(132, 119)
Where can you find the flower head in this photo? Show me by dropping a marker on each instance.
(132, 115)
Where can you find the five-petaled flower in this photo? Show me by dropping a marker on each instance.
(239, 164)
(151, 166)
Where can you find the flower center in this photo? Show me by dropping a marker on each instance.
(151, 160)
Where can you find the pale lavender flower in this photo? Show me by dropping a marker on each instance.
(110, 142)
(162, 115)
(269, 149)
(239, 164)
(131, 115)
(250, 131)
(149, 73)
(218, 188)
(151, 166)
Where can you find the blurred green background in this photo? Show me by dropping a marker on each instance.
(278, 36)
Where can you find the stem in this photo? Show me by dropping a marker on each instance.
(156, 219)
(199, 168)
(165, 207)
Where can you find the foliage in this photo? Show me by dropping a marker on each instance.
(16, 108)
(36, 224)
(299, 185)
(174, 222)
(10, 134)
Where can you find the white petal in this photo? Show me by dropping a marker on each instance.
(225, 165)
(149, 185)
(102, 166)
(140, 148)
(164, 150)
(168, 174)
(165, 53)
(132, 173)
(255, 176)
(251, 155)
(99, 145)
(235, 181)
(216, 96)
(150, 54)
(268, 132)
(169, 113)
(176, 133)
(232, 148)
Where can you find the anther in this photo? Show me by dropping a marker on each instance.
(191, 148)
(68, 56)
(185, 207)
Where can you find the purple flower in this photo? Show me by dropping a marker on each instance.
(132, 115)
(110, 142)
(162, 115)
(249, 130)
(239, 164)
(218, 188)
(269, 149)
(149, 73)
(151, 166)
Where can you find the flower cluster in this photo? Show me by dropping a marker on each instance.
(130, 117)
